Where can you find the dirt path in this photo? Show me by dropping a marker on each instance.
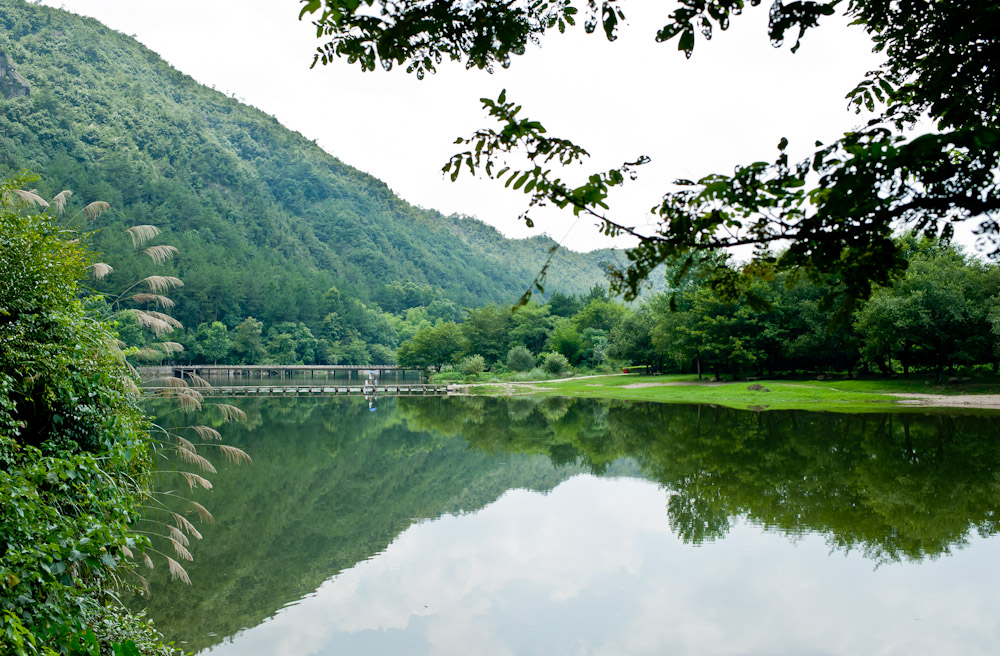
(949, 400)
(675, 383)
(524, 387)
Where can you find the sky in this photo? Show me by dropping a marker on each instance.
(729, 104)
(593, 568)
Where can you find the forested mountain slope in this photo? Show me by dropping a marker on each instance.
(264, 219)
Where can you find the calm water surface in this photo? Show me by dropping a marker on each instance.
(556, 526)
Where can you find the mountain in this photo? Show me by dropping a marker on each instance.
(265, 220)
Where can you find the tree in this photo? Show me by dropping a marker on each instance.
(246, 342)
(531, 326)
(836, 210)
(631, 340)
(487, 331)
(433, 346)
(281, 348)
(936, 316)
(564, 305)
(212, 342)
(565, 339)
(601, 314)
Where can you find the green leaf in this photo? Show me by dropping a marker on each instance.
(686, 42)
(127, 648)
(310, 7)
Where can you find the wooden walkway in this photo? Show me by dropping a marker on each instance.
(283, 372)
(391, 389)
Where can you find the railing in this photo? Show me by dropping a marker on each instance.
(392, 389)
(283, 372)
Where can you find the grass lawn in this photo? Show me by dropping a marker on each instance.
(872, 395)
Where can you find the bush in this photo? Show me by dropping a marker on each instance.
(519, 358)
(527, 376)
(471, 365)
(555, 364)
(74, 453)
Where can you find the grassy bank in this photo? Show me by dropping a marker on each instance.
(873, 395)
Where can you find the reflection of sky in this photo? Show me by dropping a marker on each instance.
(592, 568)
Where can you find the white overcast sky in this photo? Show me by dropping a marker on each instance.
(730, 103)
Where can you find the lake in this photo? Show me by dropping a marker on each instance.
(471, 525)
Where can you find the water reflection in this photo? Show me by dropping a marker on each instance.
(333, 486)
(895, 486)
(592, 569)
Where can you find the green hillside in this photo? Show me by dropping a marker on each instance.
(265, 220)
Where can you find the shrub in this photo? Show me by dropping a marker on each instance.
(534, 374)
(519, 358)
(74, 452)
(472, 364)
(555, 364)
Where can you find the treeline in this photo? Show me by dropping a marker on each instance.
(944, 313)
(408, 324)
(348, 332)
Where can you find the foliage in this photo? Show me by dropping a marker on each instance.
(472, 364)
(519, 358)
(566, 340)
(487, 331)
(74, 452)
(246, 342)
(836, 210)
(433, 346)
(531, 325)
(936, 316)
(631, 340)
(555, 364)
(264, 220)
(213, 342)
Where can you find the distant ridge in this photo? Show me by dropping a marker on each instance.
(264, 219)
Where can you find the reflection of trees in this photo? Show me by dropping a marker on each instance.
(560, 428)
(332, 484)
(894, 486)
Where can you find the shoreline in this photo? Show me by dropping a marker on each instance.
(830, 396)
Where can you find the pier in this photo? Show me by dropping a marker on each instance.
(325, 372)
(392, 389)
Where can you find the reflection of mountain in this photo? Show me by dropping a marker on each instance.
(331, 485)
(895, 486)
